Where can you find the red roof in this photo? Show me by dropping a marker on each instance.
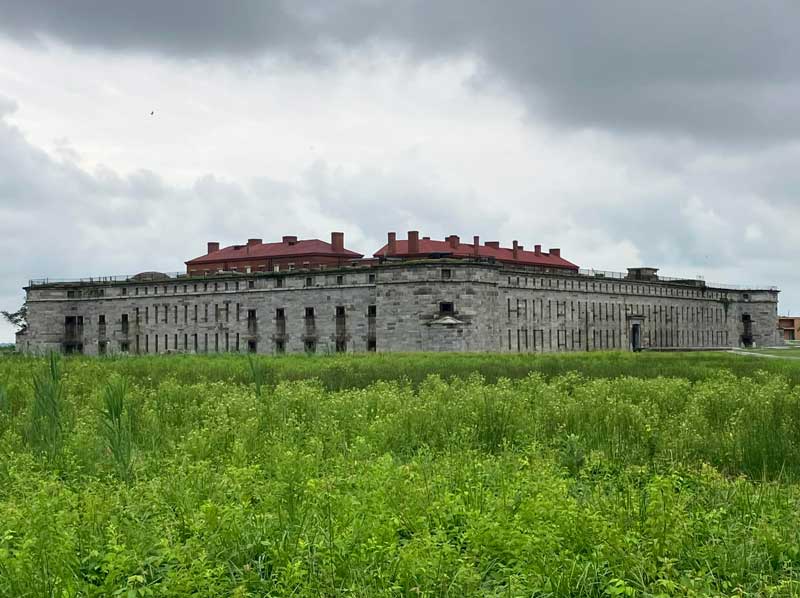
(464, 250)
(301, 248)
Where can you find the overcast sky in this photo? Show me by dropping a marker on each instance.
(664, 134)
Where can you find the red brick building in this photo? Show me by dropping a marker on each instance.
(789, 327)
(289, 254)
(452, 247)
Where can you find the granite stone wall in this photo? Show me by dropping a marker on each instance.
(435, 305)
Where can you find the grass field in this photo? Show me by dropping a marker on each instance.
(406, 475)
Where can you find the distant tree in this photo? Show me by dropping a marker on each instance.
(18, 318)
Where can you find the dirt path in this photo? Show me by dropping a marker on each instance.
(754, 354)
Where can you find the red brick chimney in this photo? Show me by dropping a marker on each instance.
(251, 242)
(537, 249)
(495, 244)
(391, 245)
(476, 246)
(413, 241)
(555, 251)
(289, 240)
(515, 250)
(213, 246)
(453, 241)
(337, 242)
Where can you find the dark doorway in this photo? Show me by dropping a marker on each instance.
(636, 338)
(73, 334)
(747, 330)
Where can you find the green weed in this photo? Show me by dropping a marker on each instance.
(46, 431)
(115, 426)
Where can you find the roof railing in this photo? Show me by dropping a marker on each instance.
(158, 277)
(141, 277)
(658, 278)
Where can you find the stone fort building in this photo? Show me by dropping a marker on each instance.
(416, 294)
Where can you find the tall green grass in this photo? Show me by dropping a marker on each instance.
(115, 425)
(46, 428)
(556, 481)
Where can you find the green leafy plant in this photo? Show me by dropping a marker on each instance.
(5, 401)
(257, 372)
(115, 425)
(572, 454)
(46, 430)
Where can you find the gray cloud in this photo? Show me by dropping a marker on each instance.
(180, 27)
(379, 201)
(7, 106)
(74, 222)
(723, 70)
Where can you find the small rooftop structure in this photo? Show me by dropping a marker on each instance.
(290, 251)
(643, 273)
(415, 248)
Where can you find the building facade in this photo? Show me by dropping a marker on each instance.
(789, 327)
(423, 302)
